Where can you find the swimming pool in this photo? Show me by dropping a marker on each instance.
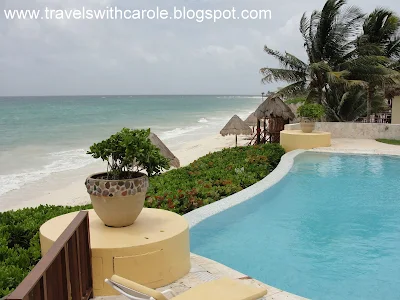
(330, 229)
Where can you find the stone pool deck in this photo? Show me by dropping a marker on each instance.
(204, 270)
(360, 146)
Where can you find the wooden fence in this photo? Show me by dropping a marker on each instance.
(385, 118)
(65, 271)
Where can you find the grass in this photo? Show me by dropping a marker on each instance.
(208, 179)
(387, 141)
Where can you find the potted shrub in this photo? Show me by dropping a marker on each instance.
(310, 113)
(118, 195)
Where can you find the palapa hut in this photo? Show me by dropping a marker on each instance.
(392, 92)
(278, 114)
(174, 161)
(236, 127)
(251, 120)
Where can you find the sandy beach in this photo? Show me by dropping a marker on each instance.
(67, 188)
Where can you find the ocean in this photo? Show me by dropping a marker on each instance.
(40, 136)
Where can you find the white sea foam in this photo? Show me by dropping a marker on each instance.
(178, 132)
(202, 120)
(59, 162)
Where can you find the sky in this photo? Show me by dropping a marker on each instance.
(135, 57)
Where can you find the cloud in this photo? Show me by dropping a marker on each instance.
(126, 57)
(230, 58)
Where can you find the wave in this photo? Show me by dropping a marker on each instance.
(202, 120)
(61, 161)
(178, 132)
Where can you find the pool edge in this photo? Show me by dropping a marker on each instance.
(198, 215)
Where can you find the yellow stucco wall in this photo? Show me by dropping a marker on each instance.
(396, 110)
(154, 251)
(297, 139)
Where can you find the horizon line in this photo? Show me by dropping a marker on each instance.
(124, 95)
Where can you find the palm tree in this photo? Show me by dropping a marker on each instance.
(347, 104)
(381, 34)
(378, 53)
(326, 37)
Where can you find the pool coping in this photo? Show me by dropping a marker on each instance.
(349, 151)
(198, 215)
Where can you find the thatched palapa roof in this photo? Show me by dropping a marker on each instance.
(174, 161)
(274, 107)
(392, 92)
(236, 126)
(251, 120)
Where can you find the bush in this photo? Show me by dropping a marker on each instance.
(128, 152)
(212, 177)
(209, 179)
(19, 242)
(311, 111)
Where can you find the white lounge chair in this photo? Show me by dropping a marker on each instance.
(221, 289)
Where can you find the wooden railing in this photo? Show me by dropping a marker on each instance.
(377, 118)
(65, 271)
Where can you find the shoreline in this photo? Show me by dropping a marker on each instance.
(67, 188)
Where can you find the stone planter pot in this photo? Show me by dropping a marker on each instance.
(118, 203)
(307, 125)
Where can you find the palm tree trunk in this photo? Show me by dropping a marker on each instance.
(369, 99)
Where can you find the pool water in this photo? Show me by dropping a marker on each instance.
(329, 230)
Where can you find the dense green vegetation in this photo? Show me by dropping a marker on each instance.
(19, 242)
(353, 61)
(206, 180)
(212, 177)
(391, 142)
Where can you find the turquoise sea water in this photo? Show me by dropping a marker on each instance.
(45, 135)
(329, 230)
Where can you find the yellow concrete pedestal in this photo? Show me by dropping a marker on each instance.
(154, 251)
(297, 139)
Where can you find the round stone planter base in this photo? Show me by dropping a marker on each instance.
(154, 251)
(297, 139)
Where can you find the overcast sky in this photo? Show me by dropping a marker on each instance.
(93, 57)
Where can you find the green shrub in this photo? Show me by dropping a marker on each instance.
(212, 177)
(124, 148)
(208, 179)
(19, 242)
(312, 111)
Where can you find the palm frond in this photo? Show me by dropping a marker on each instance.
(294, 89)
(320, 67)
(287, 60)
(273, 74)
(336, 77)
(380, 25)
(393, 48)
